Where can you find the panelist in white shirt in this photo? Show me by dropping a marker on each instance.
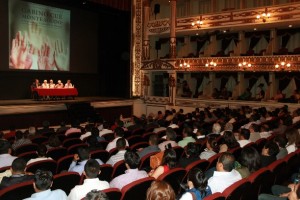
(59, 84)
(45, 84)
(69, 84)
(51, 84)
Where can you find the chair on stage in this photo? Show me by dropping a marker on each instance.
(65, 181)
(136, 189)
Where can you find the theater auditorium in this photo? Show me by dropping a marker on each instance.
(149, 99)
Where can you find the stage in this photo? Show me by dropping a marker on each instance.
(28, 112)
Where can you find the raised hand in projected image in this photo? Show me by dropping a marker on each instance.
(21, 53)
(61, 59)
(35, 36)
(45, 58)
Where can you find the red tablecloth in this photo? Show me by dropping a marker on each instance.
(56, 92)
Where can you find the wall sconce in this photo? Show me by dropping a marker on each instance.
(184, 66)
(211, 65)
(245, 65)
(198, 23)
(283, 65)
(264, 16)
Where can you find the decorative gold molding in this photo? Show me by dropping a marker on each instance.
(156, 100)
(157, 65)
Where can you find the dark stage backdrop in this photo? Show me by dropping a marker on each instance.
(99, 52)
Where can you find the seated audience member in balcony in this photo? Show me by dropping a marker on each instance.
(170, 139)
(132, 161)
(228, 142)
(246, 95)
(59, 84)
(42, 154)
(53, 142)
(168, 162)
(200, 134)
(281, 142)
(187, 137)
(42, 183)
(211, 148)
(294, 98)
(228, 127)
(153, 147)
(192, 154)
(196, 186)
(69, 84)
(45, 85)
(46, 128)
(18, 174)
(75, 128)
(224, 93)
(91, 171)
(51, 84)
(20, 140)
(244, 137)
(216, 129)
(279, 96)
(121, 147)
(293, 138)
(284, 123)
(215, 94)
(268, 153)
(160, 190)
(260, 93)
(5, 154)
(296, 116)
(80, 159)
(96, 195)
(225, 174)
(105, 129)
(248, 162)
(186, 91)
(119, 133)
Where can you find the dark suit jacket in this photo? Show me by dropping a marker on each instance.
(8, 181)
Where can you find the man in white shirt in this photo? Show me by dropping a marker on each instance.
(105, 129)
(42, 154)
(5, 154)
(69, 84)
(171, 139)
(132, 173)
(225, 175)
(45, 84)
(121, 146)
(91, 171)
(244, 137)
(119, 133)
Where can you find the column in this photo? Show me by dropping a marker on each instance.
(274, 41)
(146, 41)
(241, 83)
(242, 4)
(272, 84)
(172, 87)
(173, 29)
(213, 6)
(242, 43)
(147, 91)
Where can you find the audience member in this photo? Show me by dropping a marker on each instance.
(75, 128)
(279, 96)
(293, 138)
(268, 154)
(225, 175)
(105, 129)
(132, 161)
(197, 187)
(244, 137)
(170, 139)
(96, 195)
(119, 133)
(80, 159)
(211, 148)
(42, 154)
(42, 183)
(246, 95)
(87, 129)
(5, 154)
(296, 116)
(228, 142)
(279, 192)
(254, 132)
(18, 174)
(20, 140)
(168, 162)
(281, 143)
(187, 137)
(192, 154)
(91, 171)
(153, 147)
(160, 190)
(121, 147)
(53, 142)
(249, 162)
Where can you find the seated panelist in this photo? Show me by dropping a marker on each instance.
(59, 84)
(45, 84)
(69, 84)
(51, 84)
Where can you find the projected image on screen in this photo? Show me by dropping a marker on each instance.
(39, 37)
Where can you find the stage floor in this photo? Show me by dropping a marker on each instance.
(64, 101)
